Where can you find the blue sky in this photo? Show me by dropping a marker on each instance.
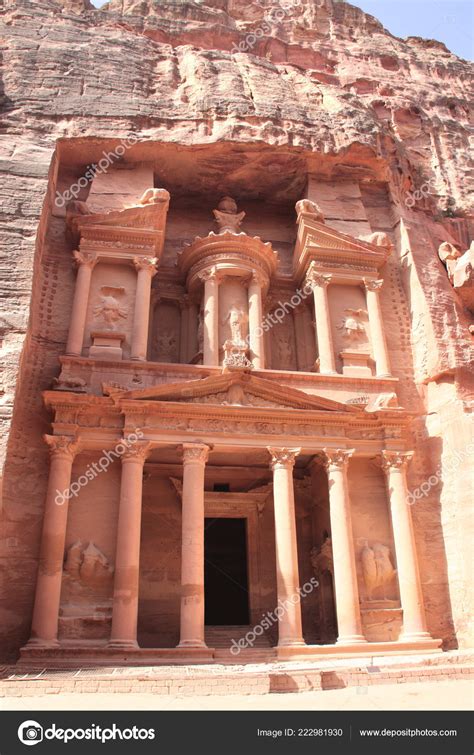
(449, 21)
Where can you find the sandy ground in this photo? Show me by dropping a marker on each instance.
(449, 695)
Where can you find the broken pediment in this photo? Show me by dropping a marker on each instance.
(240, 389)
(326, 246)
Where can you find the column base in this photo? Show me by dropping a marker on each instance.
(328, 372)
(297, 643)
(352, 639)
(138, 359)
(192, 644)
(383, 375)
(123, 645)
(38, 644)
(414, 637)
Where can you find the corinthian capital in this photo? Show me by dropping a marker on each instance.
(283, 457)
(372, 285)
(336, 457)
(84, 258)
(134, 452)
(145, 263)
(395, 460)
(258, 278)
(208, 275)
(64, 446)
(195, 453)
(316, 278)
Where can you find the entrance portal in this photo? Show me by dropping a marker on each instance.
(225, 572)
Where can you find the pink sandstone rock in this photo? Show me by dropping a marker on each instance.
(222, 99)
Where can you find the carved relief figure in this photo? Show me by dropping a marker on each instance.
(200, 330)
(351, 326)
(109, 309)
(227, 216)
(166, 345)
(285, 352)
(377, 568)
(87, 565)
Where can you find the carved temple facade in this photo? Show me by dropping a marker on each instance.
(226, 439)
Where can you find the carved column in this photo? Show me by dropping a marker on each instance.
(345, 572)
(85, 265)
(127, 554)
(394, 464)
(379, 344)
(319, 283)
(289, 623)
(146, 269)
(184, 305)
(44, 629)
(192, 326)
(211, 317)
(256, 342)
(195, 456)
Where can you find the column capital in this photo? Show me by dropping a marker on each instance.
(137, 452)
(85, 258)
(283, 457)
(62, 446)
(258, 278)
(337, 458)
(145, 263)
(315, 278)
(195, 453)
(209, 275)
(373, 285)
(395, 460)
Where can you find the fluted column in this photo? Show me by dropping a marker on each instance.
(377, 334)
(85, 265)
(146, 269)
(211, 317)
(44, 629)
(319, 283)
(195, 456)
(289, 622)
(127, 554)
(345, 572)
(394, 464)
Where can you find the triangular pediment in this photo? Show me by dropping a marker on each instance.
(233, 389)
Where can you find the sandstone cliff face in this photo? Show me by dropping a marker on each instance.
(316, 88)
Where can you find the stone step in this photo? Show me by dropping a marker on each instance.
(226, 636)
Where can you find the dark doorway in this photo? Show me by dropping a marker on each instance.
(225, 572)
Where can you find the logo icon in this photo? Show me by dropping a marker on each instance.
(30, 732)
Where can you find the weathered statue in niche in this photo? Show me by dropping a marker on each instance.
(377, 569)
(237, 320)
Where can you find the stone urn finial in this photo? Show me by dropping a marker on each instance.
(227, 216)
